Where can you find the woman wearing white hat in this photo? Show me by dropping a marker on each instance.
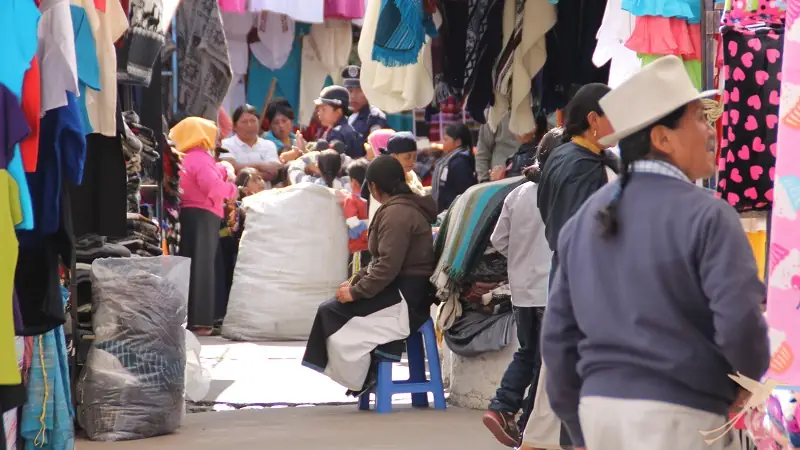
(657, 298)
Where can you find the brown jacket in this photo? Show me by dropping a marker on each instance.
(401, 243)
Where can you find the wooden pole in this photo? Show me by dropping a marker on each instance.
(272, 86)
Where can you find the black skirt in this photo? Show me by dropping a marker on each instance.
(199, 241)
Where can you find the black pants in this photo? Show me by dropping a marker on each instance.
(199, 241)
(523, 372)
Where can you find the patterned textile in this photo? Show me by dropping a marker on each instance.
(142, 45)
(205, 73)
(502, 75)
(463, 238)
(47, 416)
(402, 27)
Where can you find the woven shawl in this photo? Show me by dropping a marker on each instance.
(402, 26)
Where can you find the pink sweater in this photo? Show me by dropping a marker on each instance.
(203, 183)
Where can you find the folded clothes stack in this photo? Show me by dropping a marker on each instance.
(92, 246)
(139, 148)
(144, 236)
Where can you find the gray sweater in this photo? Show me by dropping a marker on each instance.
(663, 311)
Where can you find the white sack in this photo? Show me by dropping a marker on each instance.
(292, 257)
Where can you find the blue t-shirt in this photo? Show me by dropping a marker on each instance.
(19, 22)
(62, 151)
(86, 57)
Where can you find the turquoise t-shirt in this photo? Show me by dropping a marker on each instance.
(19, 22)
(86, 56)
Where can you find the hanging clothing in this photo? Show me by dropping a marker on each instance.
(453, 39)
(666, 36)
(233, 6)
(32, 106)
(615, 30)
(259, 77)
(393, 89)
(344, 9)
(276, 34)
(205, 74)
(88, 65)
(693, 67)
(309, 11)
(484, 43)
(688, 10)
(142, 45)
(750, 120)
(392, 296)
(107, 27)
(326, 51)
(522, 58)
(62, 152)
(19, 21)
(47, 417)
(56, 54)
(401, 33)
(237, 27)
(570, 45)
(99, 203)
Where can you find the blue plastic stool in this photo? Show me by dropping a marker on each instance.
(418, 384)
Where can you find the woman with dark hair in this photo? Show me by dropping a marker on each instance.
(576, 169)
(325, 171)
(280, 118)
(246, 148)
(657, 299)
(390, 298)
(455, 171)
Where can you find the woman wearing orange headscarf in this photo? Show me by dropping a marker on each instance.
(205, 187)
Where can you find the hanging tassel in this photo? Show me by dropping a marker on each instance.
(759, 393)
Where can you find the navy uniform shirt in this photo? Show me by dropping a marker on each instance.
(367, 120)
(343, 131)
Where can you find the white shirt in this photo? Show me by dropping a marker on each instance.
(263, 151)
(56, 54)
(519, 236)
(107, 28)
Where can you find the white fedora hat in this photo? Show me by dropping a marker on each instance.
(658, 89)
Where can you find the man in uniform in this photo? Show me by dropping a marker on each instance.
(365, 118)
(332, 106)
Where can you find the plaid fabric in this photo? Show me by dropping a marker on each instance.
(660, 168)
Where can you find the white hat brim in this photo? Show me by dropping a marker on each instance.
(614, 138)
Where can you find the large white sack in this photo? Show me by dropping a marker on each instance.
(292, 257)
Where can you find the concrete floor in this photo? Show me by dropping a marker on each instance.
(248, 380)
(321, 427)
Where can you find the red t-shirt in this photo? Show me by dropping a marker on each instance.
(32, 107)
(356, 214)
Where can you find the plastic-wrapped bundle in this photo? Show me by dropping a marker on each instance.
(292, 257)
(132, 386)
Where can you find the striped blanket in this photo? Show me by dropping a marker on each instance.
(462, 238)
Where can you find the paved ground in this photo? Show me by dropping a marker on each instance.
(245, 373)
(321, 427)
(252, 381)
